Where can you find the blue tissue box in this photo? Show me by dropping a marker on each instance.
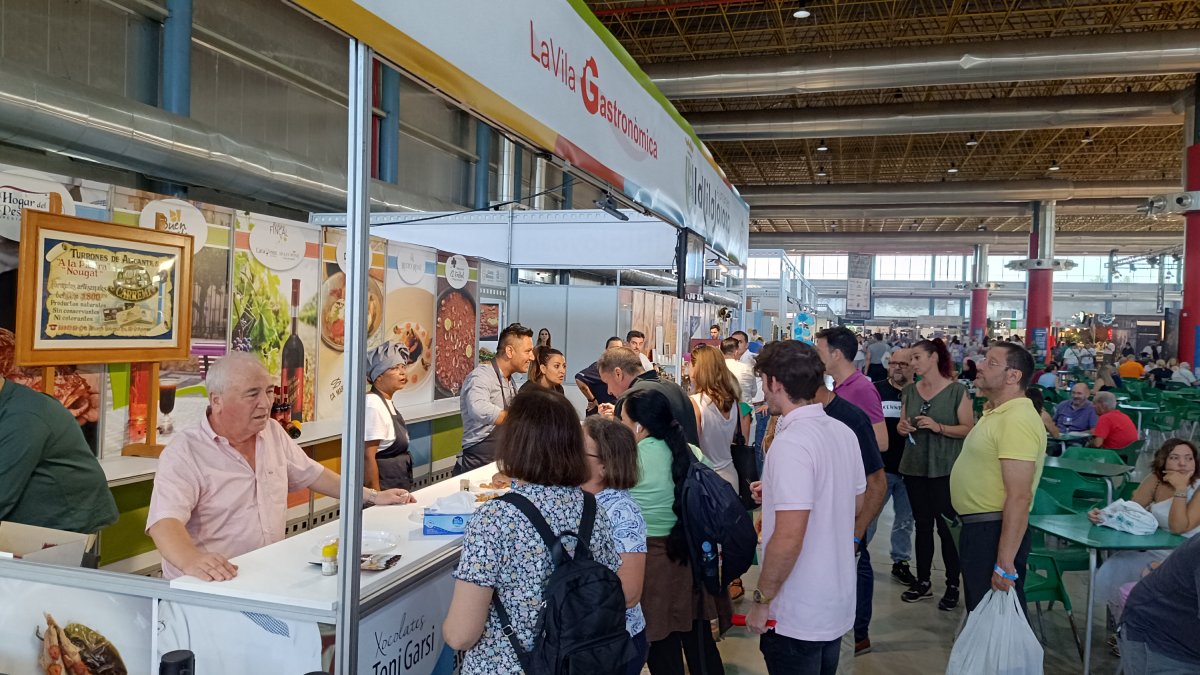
(445, 523)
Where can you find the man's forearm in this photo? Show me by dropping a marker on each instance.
(873, 500)
(1013, 527)
(173, 542)
(778, 560)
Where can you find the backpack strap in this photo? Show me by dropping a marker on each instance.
(507, 629)
(587, 522)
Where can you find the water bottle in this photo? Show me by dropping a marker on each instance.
(708, 559)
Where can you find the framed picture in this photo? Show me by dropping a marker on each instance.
(94, 292)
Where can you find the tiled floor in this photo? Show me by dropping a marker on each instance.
(916, 638)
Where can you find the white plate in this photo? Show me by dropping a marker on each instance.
(125, 620)
(373, 542)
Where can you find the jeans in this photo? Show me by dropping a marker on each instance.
(978, 547)
(761, 419)
(789, 656)
(930, 500)
(865, 590)
(902, 523)
(1137, 658)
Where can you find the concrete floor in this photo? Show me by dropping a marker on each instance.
(916, 638)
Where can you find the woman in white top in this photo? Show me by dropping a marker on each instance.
(715, 397)
(388, 463)
(1168, 494)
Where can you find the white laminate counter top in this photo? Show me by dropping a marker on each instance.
(281, 573)
(122, 470)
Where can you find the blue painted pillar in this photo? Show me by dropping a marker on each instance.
(483, 150)
(518, 177)
(568, 190)
(177, 58)
(389, 131)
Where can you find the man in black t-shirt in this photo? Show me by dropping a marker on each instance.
(1159, 625)
(899, 376)
(852, 416)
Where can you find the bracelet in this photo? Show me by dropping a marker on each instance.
(1000, 570)
(1181, 495)
(857, 540)
(941, 429)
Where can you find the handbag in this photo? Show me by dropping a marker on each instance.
(745, 462)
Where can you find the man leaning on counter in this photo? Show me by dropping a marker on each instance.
(221, 487)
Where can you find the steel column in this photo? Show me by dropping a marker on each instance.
(1189, 316)
(568, 190)
(177, 58)
(1039, 303)
(979, 293)
(518, 172)
(483, 152)
(389, 129)
(358, 256)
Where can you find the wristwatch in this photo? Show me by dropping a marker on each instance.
(759, 598)
(370, 498)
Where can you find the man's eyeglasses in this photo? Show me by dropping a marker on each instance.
(900, 364)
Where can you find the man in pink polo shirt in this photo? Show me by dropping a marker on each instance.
(221, 487)
(811, 491)
(837, 347)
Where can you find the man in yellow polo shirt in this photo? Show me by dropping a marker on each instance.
(992, 483)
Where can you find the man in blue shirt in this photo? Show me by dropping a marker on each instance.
(1077, 414)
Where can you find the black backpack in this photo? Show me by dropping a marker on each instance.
(721, 539)
(581, 627)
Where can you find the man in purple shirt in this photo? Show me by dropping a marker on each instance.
(837, 347)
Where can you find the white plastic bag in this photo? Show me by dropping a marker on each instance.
(1128, 516)
(997, 640)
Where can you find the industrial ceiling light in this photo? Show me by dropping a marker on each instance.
(821, 172)
(1087, 137)
(972, 141)
(609, 205)
(952, 169)
(821, 147)
(1054, 165)
(801, 14)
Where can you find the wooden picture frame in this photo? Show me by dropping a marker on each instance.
(96, 292)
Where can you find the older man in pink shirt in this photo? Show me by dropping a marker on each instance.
(221, 487)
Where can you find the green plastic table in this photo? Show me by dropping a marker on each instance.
(1139, 408)
(1068, 437)
(1076, 528)
(1095, 469)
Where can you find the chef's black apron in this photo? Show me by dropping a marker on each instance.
(394, 461)
(483, 452)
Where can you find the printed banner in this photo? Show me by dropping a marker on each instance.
(552, 73)
(858, 286)
(457, 324)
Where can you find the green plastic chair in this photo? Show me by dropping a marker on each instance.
(1127, 490)
(1070, 557)
(1071, 489)
(1129, 454)
(1044, 583)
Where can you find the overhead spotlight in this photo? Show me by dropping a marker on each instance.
(801, 14)
(1153, 260)
(952, 169)
(1087, 137)
(1054, 165)
(609, 205)
(821, 172)
(982, 227)
(1177, 258)
(972, 141)
(1132, 267)
(821, 147)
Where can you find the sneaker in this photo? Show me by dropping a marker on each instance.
(918, 591)
(862, 646)
(950, 600)
(901, 573)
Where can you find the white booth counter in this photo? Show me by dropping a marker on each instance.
(282, 573)
(276, 616)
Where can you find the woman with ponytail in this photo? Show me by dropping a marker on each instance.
(935, 416)
(677, 614)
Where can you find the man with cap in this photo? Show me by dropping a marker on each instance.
(388, 463)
